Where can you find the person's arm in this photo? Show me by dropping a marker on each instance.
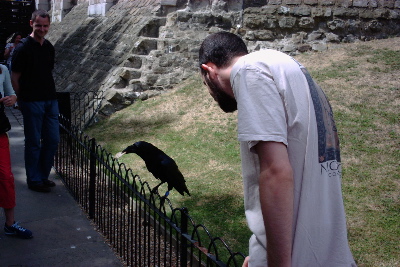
(9, 97)
(276, 196)
(15, 81)
(8, 101)
(7, 52)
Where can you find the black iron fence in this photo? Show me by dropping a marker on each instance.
(143, 228)
(80, 108)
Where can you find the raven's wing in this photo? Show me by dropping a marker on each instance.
(173, 176)
(158, 164)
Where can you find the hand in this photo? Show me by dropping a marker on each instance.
(246, 262)
(8, 101)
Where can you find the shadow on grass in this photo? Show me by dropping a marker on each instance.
(131, 129)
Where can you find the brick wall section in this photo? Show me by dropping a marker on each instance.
(141, 47)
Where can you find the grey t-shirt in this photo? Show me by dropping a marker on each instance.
(278, 101)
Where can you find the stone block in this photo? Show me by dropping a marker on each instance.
(311, 2)
(321, 12)
(367, 14)
(360, 3)
(381, 13)
(301, 11)
(252, 21)
(275, 2)
(353, 26)
(253, 3)
(292, 2)
(251, 10)
(365, 3)
(144, 46)
(107, 109)
(344, 3)
(345, 12)
(270, 23)
(298, 38)
(373, 26)
(332, 38)
(336, 24)
(289, 48)
(119, 83)
(113, 96)
(135, 85)
(394, 14)
(319, 47)
(264, 35)
(304, 48)
(306, 22)
(269, 10)
(287, 22)
(283, 10)
(183, 16)
(327, 2)
(249, 36)
(150, 79)
(387, 3)
(397, 4)
(168, 2)
(349, 39)
(315, 36)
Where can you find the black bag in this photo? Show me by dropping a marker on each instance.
(5, 125)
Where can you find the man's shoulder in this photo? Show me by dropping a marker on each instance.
(25, 42)
(47, 42)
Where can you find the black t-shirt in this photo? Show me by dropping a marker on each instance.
(35, 62)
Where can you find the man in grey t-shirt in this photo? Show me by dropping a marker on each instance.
(289, 150)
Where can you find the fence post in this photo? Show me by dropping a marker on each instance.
(64, 106)
(92, 178)
(184, 229)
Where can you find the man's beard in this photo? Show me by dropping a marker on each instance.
(227, 103)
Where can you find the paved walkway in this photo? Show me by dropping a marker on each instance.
(63, 236)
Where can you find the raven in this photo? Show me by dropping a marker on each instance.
(159, 164)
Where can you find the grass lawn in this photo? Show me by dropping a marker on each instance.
(362, 81)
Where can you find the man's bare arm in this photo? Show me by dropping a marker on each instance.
(276, 196)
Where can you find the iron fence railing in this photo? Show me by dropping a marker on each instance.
(81, 108)
(143, 228)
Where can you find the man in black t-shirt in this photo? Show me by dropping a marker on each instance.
(32, 79)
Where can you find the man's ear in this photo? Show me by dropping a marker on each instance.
(211, 69)
(205, 67)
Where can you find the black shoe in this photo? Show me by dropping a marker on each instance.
(39, 188)
(49, 183)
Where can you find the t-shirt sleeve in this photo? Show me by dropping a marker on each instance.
(17, 64)
(261, 111)
(8, 89)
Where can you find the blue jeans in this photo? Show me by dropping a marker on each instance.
(41, 128)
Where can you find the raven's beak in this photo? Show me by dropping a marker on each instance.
(119, 154)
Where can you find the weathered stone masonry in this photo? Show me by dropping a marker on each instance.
(136, 48)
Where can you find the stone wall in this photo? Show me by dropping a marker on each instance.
(139, 48)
